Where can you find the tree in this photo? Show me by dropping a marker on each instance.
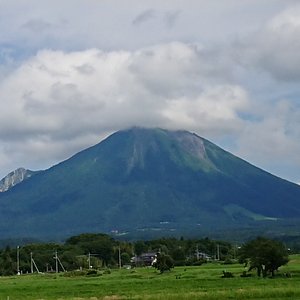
(99, 245)
(179, 255)
(7, 266)
(163, 262)
(140, 247)
(264, 255)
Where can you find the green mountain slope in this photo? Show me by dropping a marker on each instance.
(147, 179)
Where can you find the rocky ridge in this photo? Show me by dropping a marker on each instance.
(13, 178)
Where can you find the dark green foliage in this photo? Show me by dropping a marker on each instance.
(245, 274)
(264, 255)
(7, 262)
(102, 251)
(140, 247)
(125, 258)
(107, 271)
(164, 262)
(178, 254)
(227, 274)
(97, 245)
(92, 273)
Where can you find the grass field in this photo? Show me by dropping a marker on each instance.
(203, 282)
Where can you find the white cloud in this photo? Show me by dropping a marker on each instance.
(275, 47)
(102, 73)
(107, 24)
(273, 141)
(55, 100)
(215, 111)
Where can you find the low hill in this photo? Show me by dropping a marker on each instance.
(148, 180)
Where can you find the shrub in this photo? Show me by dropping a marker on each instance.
(245, 274)
(227, 274)
(92, 273)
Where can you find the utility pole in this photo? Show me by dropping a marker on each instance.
(218, 251)
(18, 260)
(234, 251)
(89, 256)
(120, 262)
(61, 265)
(197, 252)
(56, 262)
(31, 263)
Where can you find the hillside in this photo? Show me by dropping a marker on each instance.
(148, 180)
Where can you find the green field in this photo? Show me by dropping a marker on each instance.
(201, 282)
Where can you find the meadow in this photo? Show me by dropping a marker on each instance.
(193, 282)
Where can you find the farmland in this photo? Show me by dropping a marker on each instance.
(193, 282)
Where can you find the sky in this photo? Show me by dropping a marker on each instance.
(74, 71)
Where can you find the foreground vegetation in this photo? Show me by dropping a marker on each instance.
(99, 267)
(191, 282)
(101, 250)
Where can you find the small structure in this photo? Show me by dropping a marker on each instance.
(145, 259)
(202, 255)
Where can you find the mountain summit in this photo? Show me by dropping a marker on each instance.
(147, 180)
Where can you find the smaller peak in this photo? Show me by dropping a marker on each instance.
(13, 178)
(21, 169)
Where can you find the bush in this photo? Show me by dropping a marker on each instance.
(92, 273)
(245, 274)
(228, 261)
(227, 274)
(164, 262)
(180, 263)
(74, 273)
(199, 262)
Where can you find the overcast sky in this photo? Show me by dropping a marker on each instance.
(74, 71)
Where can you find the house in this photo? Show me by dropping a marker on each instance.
(145, 259)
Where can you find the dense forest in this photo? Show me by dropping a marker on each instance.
(91, 251)
(94, 251)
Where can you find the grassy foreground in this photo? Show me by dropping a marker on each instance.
(203, 282)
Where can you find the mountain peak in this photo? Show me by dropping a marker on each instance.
(13, 178)
(138, 180)
(180, 146)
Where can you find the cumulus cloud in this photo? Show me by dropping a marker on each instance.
(275, 136)
(219, 69)
(214, 111)
(275, 48)
(272, 141)
(57, 102)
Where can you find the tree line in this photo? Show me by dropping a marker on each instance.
(95, 251)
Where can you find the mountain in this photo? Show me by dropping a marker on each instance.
(149, 181)
(14, 178)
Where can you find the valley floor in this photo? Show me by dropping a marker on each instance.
(201, 282)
